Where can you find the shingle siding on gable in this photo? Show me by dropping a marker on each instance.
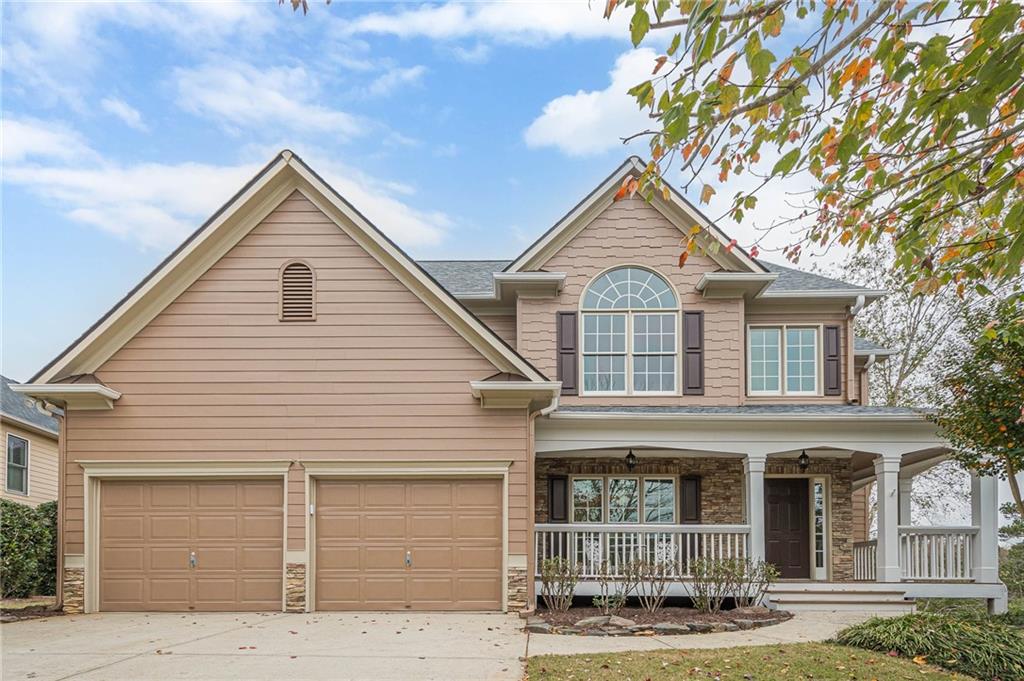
(217, 376)
(633, 232)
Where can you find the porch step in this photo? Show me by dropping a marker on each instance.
(839, 597)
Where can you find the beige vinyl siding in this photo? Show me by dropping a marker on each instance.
(631, 232)
(806, 319)
(378, 376)
(859, 501)
(42, 465)
(503, 325)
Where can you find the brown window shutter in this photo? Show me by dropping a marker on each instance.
(689, 499)
(833, 384)
(693, 353)
(567, 362)
(558, 499)
(298, 292)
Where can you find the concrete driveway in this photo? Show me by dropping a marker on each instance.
(265, 646)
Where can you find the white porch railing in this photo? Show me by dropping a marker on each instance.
(865, 560)
(588, 546)
(937, 553)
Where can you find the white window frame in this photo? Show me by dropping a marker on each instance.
(605, 508)
(629, 313)
(782, 391)
(7, 464)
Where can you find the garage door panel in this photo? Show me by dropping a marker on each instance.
(164, 528)
(238, 559)
(256, 496)
(363, 530)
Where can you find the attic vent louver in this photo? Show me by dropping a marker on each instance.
(298, 286)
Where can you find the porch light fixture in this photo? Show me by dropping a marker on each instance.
(630, 460)
(803, 461)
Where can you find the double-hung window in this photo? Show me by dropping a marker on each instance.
(630, 341)
(783, 360)
(17, 464)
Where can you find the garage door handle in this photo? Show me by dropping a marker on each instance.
(408, 559)
(192, 559)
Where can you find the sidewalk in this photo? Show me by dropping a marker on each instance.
(804, 627)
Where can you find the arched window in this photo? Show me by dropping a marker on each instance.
(630, 318)
(298, 293)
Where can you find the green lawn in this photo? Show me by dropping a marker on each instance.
(818, 661)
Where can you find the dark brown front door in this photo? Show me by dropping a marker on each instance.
(787, 527)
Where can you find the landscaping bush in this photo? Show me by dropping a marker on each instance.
(1011, 570)
(28, 549)
(983, 649)
(558, 578)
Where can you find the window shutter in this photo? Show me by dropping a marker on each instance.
(566, 362)
(833, 384)
(689, 499)
(693, 353)
(297, 293)
(558, 499)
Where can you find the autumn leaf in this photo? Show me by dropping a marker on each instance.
(732, 245)
(682, 258)
(920, 659)
(659, 62)
(707, 193)
(623, 189)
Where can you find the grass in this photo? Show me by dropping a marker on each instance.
(818, 661)
(12, 604)
(973, 608)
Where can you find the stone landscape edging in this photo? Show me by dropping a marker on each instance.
(612, 625)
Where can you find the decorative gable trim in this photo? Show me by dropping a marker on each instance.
(677, 210)
(283, 176)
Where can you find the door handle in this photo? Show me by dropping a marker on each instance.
(192, 562)
(408, 559)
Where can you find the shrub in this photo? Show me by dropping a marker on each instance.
(984, 649)
(752, 578)
(558, 578)
(616, 589)
(713, 582)
(28, 549)
(1011, 570)
(654, 579)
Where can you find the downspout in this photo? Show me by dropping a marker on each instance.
(851, 364)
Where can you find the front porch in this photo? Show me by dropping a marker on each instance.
(787, 500)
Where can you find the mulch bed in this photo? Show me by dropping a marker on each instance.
(669, 614)
(28, 612)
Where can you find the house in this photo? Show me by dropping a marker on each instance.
(290, 413)
(30, 471)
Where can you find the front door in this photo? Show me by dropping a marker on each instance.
(788, 527)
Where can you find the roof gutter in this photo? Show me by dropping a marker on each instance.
(857, 307)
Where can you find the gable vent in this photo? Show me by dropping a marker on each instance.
(298, 287)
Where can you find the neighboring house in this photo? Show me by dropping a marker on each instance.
(30, 436)
(290, 413)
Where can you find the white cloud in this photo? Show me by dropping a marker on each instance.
(25, 138)
(240, 95)
(530, 22)
(395, 78)
(157, 204)
(477, 54)
(593, 122)
(128, 114)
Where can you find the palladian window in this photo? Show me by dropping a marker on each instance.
(630, 319)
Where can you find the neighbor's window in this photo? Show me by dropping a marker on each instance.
(629, 319)
(782, 360)
(659, 500)
(17, 464)
(587, 500)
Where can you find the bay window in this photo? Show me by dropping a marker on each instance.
(783, 360)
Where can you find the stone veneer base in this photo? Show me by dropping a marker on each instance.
(295, 587)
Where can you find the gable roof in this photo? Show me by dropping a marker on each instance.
(280, 178)
(18, 408)
(476, 277)
(677, 209)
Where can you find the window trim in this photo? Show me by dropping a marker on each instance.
(629, 314)
(7, 465)
(782, 391)
(605, 479)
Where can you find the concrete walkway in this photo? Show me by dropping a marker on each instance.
(804, 627)
(273, 646)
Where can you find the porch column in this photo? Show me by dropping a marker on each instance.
(985, 516)
(906, 483)
(754, 466)
(887, 472)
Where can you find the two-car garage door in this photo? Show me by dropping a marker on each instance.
(217, 545)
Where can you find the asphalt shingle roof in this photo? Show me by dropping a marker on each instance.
(862, 346)
(17, 406)
(750, 409)
(462, 277)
